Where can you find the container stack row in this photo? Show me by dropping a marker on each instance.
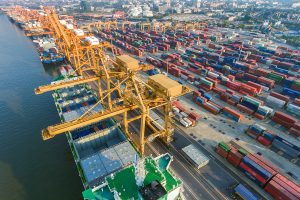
(260, 171)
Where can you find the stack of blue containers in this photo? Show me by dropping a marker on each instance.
(286, 147)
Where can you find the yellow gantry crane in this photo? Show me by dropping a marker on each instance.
(138, 98)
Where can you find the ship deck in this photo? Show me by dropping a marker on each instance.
(98, 149)
(124, 184)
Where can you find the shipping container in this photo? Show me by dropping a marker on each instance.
(286, 147)
(242, 192)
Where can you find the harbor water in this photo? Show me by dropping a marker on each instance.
(29, 167)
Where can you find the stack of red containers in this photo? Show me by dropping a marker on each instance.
(281, 188)
(297, 102)
(255, 85)
(194, 116)
(280, 96)
(245, 109)
(233, 85)
(295, 130)
(265, 81)
(262, 72)
(247, 90)
(234, 157)
(174, 71)
(283, 119)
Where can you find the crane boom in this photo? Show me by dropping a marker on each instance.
(54, 130)
(54, 20)
(80, 80)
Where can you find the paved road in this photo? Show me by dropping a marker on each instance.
(195, 186)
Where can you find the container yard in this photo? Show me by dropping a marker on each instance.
(237, 98)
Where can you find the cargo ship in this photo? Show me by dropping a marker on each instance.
(108, 164)
(49, 54)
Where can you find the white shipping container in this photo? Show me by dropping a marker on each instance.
(175, 109)
(272, 101)
(264, 88)
(92, 40)
(184, 76)
(195, 155)
(69, 26)
(188, 121)
(213, 74)
(184, 114)
(224, 78)
(293, 109)
(63, 22)
(79, 32)
(265, 109)
(184, 123)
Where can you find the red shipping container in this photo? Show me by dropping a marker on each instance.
(221, 152)
(217, 105)
(230, 92)
(285, 117)
(297, 102)
(253, 173)
(245, 109)
(262, 72)
(269, 164)
(265, 81)
(297, 126)
(218, 90)
(258, 116)
(252, 77)
(215, 82)
(280, 96)
(295, 132)
(264, 141)
(233, 85)
(231, 102)
(289, 183)
(231, 77)
(295, 87)
(278, 191)
(205, 87)
(234, 157)
(255, 85)
(282, 122)
(264, 164)
(210, 109)
(233, 112)
(252, 134)
(196, 93)
(194, 116)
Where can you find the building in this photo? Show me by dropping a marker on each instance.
(119, 14)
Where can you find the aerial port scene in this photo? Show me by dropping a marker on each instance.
(150, 100)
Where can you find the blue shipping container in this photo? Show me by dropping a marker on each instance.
(244, 193)
(257, 168)
(286, 146)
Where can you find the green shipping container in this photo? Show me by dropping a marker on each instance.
(224, 146)
(242, 151)
(277, 78)
(296, 83)
(206, 82)
(252, 101)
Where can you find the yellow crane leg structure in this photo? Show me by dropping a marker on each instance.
(54, 130)
(64, 84)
